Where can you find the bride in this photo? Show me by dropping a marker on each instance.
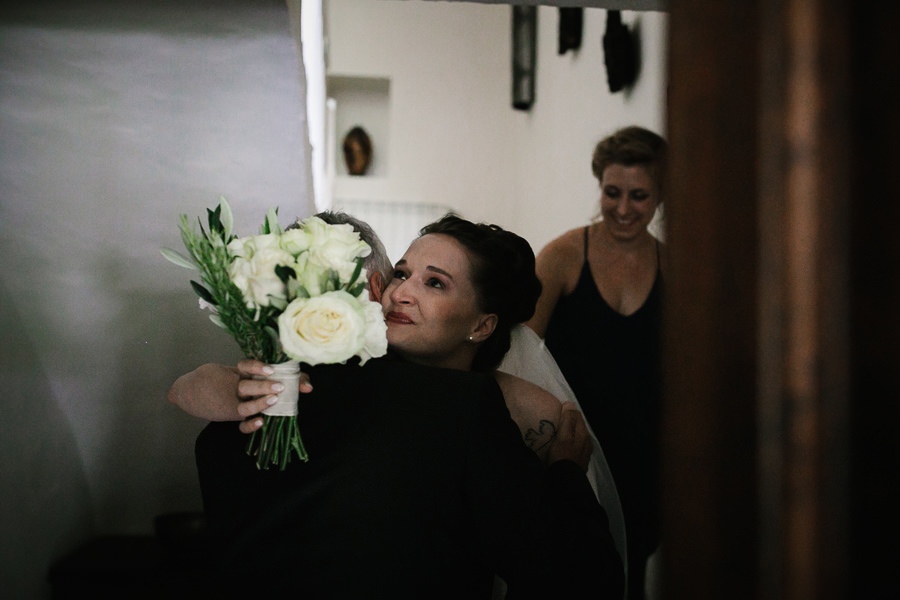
(456, 299)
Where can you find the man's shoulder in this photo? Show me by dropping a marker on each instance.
(398, 381)
(388, 365)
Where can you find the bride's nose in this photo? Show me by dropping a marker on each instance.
(402, 294)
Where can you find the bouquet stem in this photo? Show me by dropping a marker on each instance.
(275, 443)
(278, 440)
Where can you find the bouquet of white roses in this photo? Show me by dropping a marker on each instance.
(287, 297)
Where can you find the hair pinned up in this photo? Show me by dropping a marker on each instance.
(503, 274)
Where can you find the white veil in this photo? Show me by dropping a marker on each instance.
(529, 359)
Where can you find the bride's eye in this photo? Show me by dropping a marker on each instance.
(398, 274)
(435, 283)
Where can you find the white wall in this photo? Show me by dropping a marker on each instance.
(115, 118)
(449, 108)
(454, 138)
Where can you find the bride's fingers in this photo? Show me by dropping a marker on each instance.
(250, 368)
(251, 425)
(255, 406)
(250, 388)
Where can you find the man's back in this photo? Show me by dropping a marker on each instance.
(417, 485)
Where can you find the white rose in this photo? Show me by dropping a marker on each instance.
(335, 246)
(256, 278)
(240, 247)
(296, 241)
(246, 247)
(376, 331)
(316, 227)
(326, 329)
(266, 240)
(312, 278)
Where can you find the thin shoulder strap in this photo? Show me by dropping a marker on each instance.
(586, 231)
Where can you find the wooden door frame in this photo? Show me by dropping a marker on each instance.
(782, 313)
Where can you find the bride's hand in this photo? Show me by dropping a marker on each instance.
(257, 393)
(573, 442)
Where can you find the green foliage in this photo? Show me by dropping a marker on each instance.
(208, 251)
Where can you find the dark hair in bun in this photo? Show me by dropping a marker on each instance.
(503, 274)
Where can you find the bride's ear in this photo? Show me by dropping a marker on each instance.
(484, 329)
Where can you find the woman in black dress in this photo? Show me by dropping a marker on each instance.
(600, 313)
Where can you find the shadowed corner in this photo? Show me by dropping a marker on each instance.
(45, 489)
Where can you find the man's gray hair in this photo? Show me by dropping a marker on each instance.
(378, 259)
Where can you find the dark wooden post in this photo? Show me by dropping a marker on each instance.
(709, 432)
(783, 319)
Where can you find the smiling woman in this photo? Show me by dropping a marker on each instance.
(600, 314)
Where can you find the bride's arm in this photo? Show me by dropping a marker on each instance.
(535, 410)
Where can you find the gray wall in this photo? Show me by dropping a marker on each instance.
(114, 118)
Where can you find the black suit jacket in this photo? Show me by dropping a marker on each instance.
(418, 485)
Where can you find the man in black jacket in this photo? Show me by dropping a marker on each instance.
(418, 485)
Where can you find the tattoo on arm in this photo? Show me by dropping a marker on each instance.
(540, 438)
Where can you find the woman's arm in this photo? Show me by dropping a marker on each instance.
(555, 266)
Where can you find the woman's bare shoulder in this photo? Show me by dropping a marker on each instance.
(560, 262)
(565, 247)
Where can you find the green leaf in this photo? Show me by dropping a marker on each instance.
(218, 321)
(212, 218)
(203, 293)
(273, 336)
(295, 290)
(356, 271)
(203, 231)
(279, 303)
(177, 258)
(285, 273)
(357, 289)
(272, 225)
(334, 281)
(227, 218)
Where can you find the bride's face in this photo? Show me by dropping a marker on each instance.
(430, 305)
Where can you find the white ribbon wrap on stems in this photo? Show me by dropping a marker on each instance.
(288, 374)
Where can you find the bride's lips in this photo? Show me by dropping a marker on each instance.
(397, 317)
